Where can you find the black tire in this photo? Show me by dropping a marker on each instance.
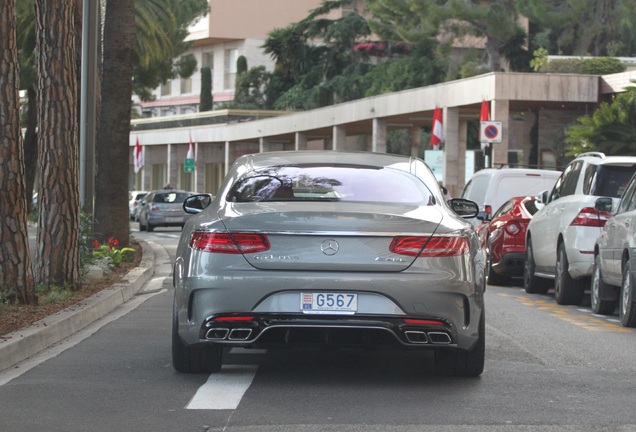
(627, 309)
(464, 363)
(150, 227)
(142, 227)
(567, 291)
(532, 283)
(194, 359)
(491, 276)
(597, 286)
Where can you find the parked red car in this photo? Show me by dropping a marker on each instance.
(503, 239)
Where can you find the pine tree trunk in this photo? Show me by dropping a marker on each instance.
(113, 150)
(16, 273)
(57, 260)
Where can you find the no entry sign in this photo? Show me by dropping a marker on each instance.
(490, 131)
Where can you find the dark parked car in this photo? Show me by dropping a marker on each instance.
(163, 208)
(504, 239)
(329, 249)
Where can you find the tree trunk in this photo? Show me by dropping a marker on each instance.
(16, 273)
(57, 260)
(113, 151)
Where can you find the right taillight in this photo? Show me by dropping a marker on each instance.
(589, 216)
(235, 243)
(436, 246)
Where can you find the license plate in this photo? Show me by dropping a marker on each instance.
(174, 219)
(329, 303)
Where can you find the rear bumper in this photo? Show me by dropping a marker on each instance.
(276, 331)
(511, 264)
(384, 304)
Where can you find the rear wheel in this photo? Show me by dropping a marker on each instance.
(628, 306)
(464, 364)
(597, 287)
(532, 283)
(194, 359)
(150, 227)
(567, 291)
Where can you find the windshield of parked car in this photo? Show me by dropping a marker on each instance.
(330, 183)
(611, 180)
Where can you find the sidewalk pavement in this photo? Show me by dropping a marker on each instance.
(24, 343)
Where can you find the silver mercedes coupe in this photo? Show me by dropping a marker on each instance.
(313, 249)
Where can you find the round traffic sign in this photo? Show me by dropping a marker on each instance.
(491, 132)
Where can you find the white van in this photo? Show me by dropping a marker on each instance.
(491, 187)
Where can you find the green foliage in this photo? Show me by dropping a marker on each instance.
(250, 89)
(205, 98)
(53, 293)
(241, 65)
(611, 129)
(111, 253)
(162, 27)
(186, 66)
(592, 66)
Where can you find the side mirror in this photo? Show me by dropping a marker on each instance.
(197, 203)
(464, 208)
(483, 216)
(542, 198)
(603, 204)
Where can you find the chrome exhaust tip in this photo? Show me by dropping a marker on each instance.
(416, 337)
(240, 334)
(217, 333)
(439, 337)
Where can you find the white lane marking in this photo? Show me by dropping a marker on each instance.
(224, 390)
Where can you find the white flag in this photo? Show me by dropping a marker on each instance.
(138, 156)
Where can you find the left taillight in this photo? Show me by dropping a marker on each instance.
(435, 246)
(589, 216)
(235, 243)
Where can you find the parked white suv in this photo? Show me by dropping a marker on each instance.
(490, 188)
(560, 237)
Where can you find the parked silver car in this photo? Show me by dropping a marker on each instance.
(614, 274)
(163, 208)
(319, 249)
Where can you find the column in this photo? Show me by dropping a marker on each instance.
(339, 138)
(453, 169)
(415, 139)
(301, 141)
(378, 139)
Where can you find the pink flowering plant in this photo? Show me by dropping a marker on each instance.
(110, 252)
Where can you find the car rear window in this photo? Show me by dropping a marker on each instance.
(329, 183)
(611, 180)
(170, 197)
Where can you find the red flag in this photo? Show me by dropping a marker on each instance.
(485, 111)
(437, 132)
(484, 115)
(138, 158)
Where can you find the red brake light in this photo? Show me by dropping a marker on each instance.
(228, 243)
(436, 246)
(589, 216)
(423, 322)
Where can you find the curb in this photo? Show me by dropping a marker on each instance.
(24, 343)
